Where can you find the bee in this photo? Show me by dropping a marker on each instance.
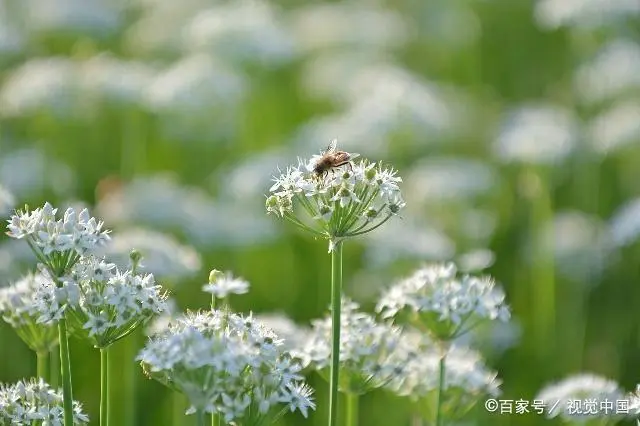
(331, 159)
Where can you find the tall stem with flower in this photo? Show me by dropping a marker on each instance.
(58, 244)
(337, 205)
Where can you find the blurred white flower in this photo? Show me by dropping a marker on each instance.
(245, 31)
(367, 350)
(30, 401)
(293, 335)
(19, 311)
(624, 225)
(449, 25)
(15, 259)
(616, 128)
(110, 79)
(159, 29)
(449, 179)
(558, 397)
(161, 253)
(435, 298)
(580, 244)
(48, 85)
(221, 285)
(552, 14)
(412, 238)
(7, 201)
(229, 364)
(538, 134)
(476, 260)
(466, 380)
(339, 25)
(29, 172)
(492, 339)
(611, 73)
(197, 96)
(93, 18)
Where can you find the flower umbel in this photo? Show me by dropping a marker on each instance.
(103, 303)
(58, 242)
(368, 357)
(227, 364)
(344, 202)
(446, 304)
(34, 402)
(17, 309)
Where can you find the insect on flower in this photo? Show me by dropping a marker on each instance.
(331, 158)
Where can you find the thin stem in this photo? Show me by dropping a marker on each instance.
(54, 371)
(200, 418)
(440, 388)
(104, 387)
(353, 234)
(65, 367)
(336, 307)
(43, 365)
(352, 409)
(216, 420)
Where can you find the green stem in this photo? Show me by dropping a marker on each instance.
(200, 418)
(128, 378)
(43, 365)
(54, 378)
(216, 420)
(440, 388)
(104, 387)
(65, 367)
(352, 409)
(336, 292)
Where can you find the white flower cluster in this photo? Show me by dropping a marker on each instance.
(34, 402)
(343, 202)
(579, 387)
(368, 357)
(58, 242)
(103, 304)
(222, 285)
(228, 364)
(466, 378)
(19, 311)
(447, 304)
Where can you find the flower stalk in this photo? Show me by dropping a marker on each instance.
(43, 365)
(104, 386)
(336, 292)
(441, 376)
(65, 371)
(352, 409)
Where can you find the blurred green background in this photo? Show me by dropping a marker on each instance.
(514, 123)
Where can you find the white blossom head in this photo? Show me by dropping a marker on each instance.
(559, 397)
(222, 284)
(32, 401)
(438, 300)
(19, 311)
(58, 242)
(336, 199)
(103, 304)
(466, 380)
(293, 335)
(368, 358)
(228, 364)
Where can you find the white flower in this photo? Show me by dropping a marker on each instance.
(466, 381)
(30, 173)
(537, 134)
(58, 241)
(103, 304)
(616, 128)
(246, 31)
(446, 304)
(225, 284)
(340, 202)
(7, 201)
(367, 350)
(610, 73)
(18, 309)
(624, 225)
(228, 364)
(27, 402)
(557, 397)
(292, 334)
(553, 14)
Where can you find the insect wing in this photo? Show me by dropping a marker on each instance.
(353, 155)
(332, 146)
